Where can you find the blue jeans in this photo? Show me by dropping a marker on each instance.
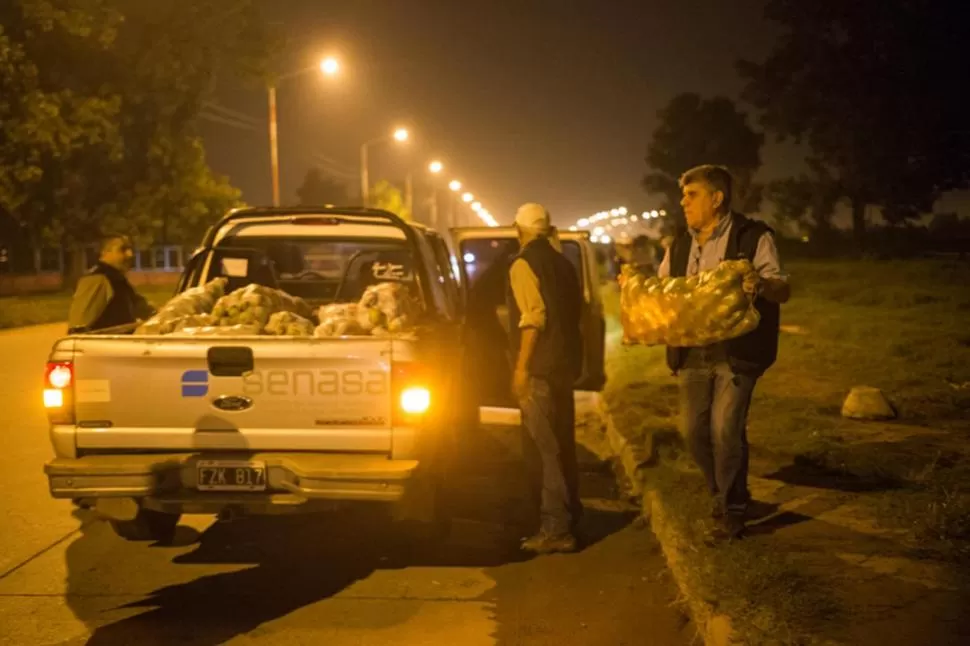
(715, 405)
(550, 454)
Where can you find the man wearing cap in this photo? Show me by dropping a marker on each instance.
(544, 301)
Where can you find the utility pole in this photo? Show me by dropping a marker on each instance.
(274, 159)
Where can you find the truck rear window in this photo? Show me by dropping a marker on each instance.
(328, 270)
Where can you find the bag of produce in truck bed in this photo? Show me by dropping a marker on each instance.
(255, 304)
(687, 312)
(288, 324)
(386, 307)
(338, 319)
(178, 311)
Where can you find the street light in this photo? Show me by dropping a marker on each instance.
(435, 167)
(467, 197)
(476, 206)
(400, 135)
(454, 185)
(329, 66)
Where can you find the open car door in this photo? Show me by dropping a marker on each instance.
(484, 257)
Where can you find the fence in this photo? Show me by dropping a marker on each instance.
(160, 265)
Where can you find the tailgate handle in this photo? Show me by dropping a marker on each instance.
(230, 361)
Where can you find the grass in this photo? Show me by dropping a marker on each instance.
(52, 307)
(898, 326)
(768, 600)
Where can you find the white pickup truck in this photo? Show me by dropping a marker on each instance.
(146, 428)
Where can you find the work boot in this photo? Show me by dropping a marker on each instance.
(730, 528)
(543, 543)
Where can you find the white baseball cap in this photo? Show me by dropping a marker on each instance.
(533, 216)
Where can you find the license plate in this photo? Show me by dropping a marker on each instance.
(225, 475)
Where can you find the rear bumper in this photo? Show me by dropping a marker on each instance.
(291, 477)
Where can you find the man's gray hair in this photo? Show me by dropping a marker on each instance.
(717, 177)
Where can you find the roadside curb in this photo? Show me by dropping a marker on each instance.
(715, 629)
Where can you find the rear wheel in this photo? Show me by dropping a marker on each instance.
(147, 525)
(425, 516)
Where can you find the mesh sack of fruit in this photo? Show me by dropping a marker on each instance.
(386, 308)
(255, 304)
(288, 324)
(338, 319)
(337, 326)
(192, 302)
(689, 311)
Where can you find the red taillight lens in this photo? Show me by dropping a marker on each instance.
(60, 374)
(411, 391)
(59, 392)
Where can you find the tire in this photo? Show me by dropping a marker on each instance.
(148, 525)
(434, 524)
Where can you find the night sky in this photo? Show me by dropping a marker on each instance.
(523, 101)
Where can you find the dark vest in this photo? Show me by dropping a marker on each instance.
(756, 351)
(558, 352)
(121, 307)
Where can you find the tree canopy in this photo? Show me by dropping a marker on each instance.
(101, 101)
(695, 131)
(868, 85)
(386, 196)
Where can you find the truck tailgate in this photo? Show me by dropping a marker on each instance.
(174, 394)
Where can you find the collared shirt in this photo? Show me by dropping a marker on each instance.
(709, 255)
(528, 297)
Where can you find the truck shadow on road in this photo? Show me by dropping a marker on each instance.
(279, 565)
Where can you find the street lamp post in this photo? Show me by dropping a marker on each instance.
(400, 135)
(274, 155)
(434, 168)
(329, 67)
(455, 186)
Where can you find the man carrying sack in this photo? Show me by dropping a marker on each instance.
(717, 380)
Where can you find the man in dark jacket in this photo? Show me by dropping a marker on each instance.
(718, 380)
(104, 298)
(544, 301)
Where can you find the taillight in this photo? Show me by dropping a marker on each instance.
(412, 393)
(59, 392)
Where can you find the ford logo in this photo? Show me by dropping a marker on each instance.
(232, 403)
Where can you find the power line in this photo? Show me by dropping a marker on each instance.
(212, 106)
(226, 121)
(336, 172)
(347, 168)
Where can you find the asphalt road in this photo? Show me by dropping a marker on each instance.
(335, 579)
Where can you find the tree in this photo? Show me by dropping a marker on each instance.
(108, 97)
(46, 126)
(695, 131)
(808, 200)
(386, 196)
(318, 189)
(868, 86)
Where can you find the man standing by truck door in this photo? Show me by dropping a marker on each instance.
(544, 301)
(104, 298)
